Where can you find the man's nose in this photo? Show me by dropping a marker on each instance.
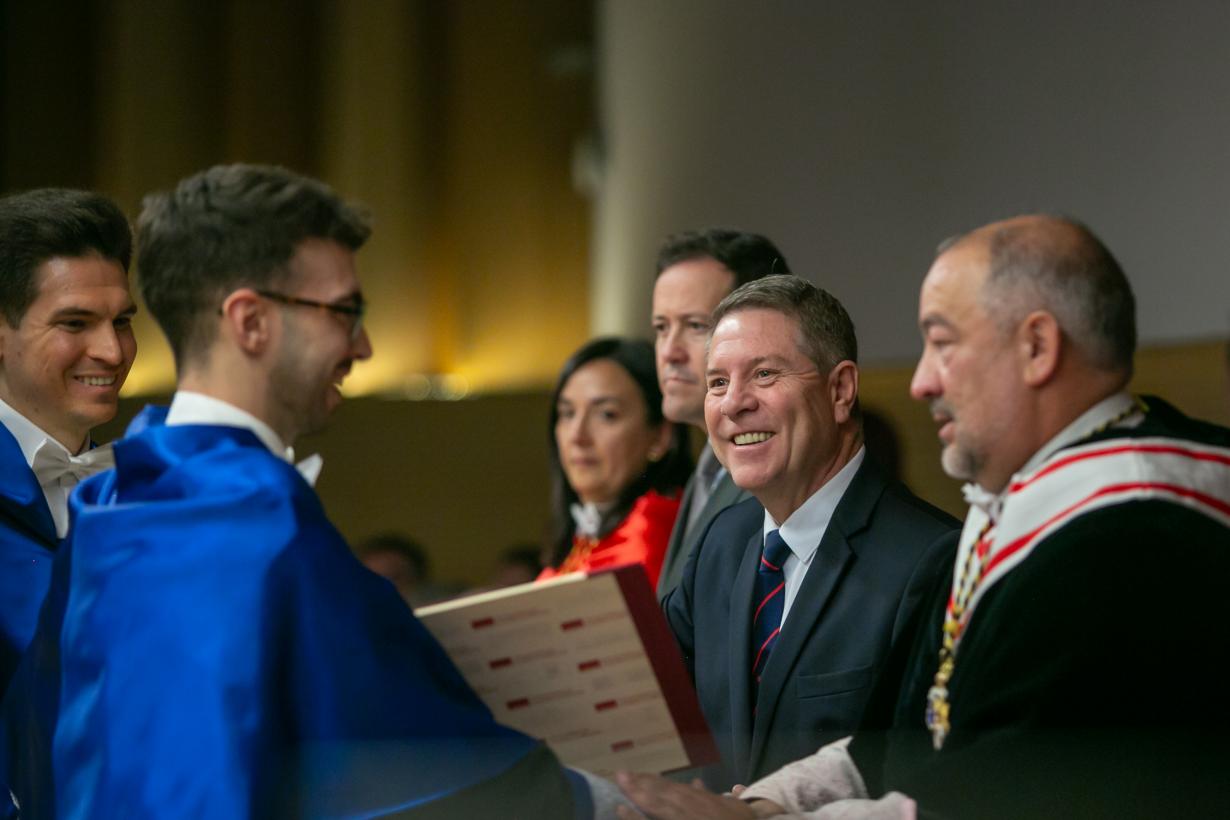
(105, 345)
(924, 385)
(672, 347)
(738, 398)
(362, 347)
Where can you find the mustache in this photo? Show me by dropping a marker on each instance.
(941, 409)
(674, 371)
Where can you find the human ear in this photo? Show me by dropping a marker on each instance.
(661, 443)
(247, 319)
(1038, 341)
(843, 390)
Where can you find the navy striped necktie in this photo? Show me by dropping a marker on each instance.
(770, 597)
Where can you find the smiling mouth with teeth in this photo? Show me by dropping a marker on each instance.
(97, 381)
(752, 438)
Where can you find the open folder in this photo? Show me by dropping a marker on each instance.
(585, 662)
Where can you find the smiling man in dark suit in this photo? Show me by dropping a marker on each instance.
(789, 605)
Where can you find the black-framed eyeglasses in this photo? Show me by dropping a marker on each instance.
(354, 311)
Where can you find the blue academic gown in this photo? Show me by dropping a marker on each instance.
(27, 545)
(222, 654)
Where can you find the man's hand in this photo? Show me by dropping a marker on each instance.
(665, 800)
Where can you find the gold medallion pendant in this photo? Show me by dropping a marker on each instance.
(937, 715)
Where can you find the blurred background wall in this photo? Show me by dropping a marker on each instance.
(523, 159)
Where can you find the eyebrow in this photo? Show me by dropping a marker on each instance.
(692, 314)
(932, 320)
(599, 400)
(74, 311)
(759, 361)
(355, 296)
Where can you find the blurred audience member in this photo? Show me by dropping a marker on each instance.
(404, 562)
(518, 564)
(617, 466)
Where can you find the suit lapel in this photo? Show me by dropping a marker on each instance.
(681, 543)
(725, 494)
(836, 550)
(741, 650)
(676, 549)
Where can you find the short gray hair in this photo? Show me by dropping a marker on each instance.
(1060, 266)
(827, 331)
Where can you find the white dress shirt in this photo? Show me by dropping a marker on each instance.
(805, 527)
(55, 468)
(188, 407)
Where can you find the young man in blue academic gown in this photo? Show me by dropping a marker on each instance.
(219, 651)
(66, 344)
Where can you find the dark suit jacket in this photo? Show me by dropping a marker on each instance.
(684, 539)
(27, 546)
(880, 555)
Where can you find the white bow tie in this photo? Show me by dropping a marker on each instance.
(989, 503)
(52, 463)
(309, 467)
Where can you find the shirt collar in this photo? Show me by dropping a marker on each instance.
(1086, 424)
(188, 407)
(804, 528)
(30, 437)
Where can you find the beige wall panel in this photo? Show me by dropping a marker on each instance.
(372, 126)
(516, 242)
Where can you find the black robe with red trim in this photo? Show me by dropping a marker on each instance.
(1091, 680)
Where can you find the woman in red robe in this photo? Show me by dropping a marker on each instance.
(618, 466)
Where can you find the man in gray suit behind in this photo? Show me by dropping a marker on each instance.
(695, 271)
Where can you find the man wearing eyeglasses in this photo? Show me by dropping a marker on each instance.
(217, 650)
